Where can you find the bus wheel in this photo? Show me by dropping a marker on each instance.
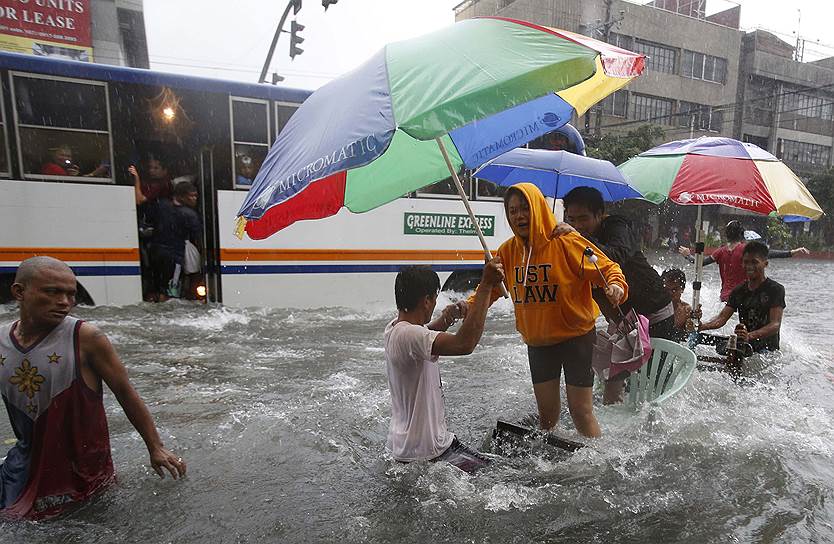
(461, 281)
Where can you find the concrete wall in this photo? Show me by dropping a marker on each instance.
(767, 70)
(646, 23)
(109, 39)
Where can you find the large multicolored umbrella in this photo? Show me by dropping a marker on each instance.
(478, 88)
(710, 170)
(557, 172)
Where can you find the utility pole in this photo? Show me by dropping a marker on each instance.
(606, 33)
(295, 5)
(295, 39)
(602, 31)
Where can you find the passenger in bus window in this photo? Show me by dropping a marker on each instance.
(156, 185)
(246, 170)
(60, 163)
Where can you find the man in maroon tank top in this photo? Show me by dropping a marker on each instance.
(52, 366)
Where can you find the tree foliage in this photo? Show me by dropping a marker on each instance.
(618, 148)
(822, 187)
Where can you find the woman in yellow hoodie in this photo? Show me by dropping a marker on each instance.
(550, 283)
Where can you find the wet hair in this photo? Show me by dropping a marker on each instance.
(756, 248)
(510, 192)
(29, 268)
(412, 284)
(734, 231)
(585, 196)
(674, 275)
(183, 188)
(164, 163)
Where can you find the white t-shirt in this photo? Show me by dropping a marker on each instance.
(418, 417)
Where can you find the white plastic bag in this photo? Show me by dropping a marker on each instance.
(192, 258)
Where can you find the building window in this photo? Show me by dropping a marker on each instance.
(805, 153)
(660, 57)
(760, 141)
(700, 116)
(283, 112)
(250, 138)
(615, 104)
(807, 105)
(63, 128)
(696, 65)
(651, 108)
(621, 40)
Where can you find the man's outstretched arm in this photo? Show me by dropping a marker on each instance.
(718, 321)
(464, 341)
(100, 356)
(787, 253)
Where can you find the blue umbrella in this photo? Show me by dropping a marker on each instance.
(557, 172)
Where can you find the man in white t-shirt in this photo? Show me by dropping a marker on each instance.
(412, 347)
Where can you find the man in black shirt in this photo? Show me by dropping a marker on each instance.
(760, 302)
(174, 223)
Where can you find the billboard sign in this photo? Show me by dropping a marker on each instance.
(52, 28)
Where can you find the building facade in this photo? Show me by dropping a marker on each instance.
(692, 67)
(785, 105)
(102, 31)
(704, 75)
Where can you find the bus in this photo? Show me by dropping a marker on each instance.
(70, 132)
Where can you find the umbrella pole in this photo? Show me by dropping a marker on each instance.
(465, 200)
(699, 260)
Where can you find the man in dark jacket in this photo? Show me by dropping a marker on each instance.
(174, 223)
(614, 235)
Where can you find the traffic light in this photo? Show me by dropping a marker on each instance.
(327, 3)
(295, 39)
(296, 6)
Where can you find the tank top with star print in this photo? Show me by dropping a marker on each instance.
(62, 453)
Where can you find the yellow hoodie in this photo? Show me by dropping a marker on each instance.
(553, 302)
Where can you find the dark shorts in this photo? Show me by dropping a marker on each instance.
(574, 355)
(462, 457)
(664, 328)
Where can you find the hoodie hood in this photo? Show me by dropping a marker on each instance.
(542, 220)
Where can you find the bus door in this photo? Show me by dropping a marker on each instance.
(211, 238)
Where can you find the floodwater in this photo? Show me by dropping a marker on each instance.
(282, 417)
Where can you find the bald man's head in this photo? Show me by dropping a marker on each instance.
(35, 266)
(45, 290)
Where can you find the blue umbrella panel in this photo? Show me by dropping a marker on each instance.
(557, 172)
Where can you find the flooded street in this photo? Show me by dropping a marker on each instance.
(282, 417)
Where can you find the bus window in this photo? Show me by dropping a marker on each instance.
(488, 190)
(283, 112)
(250, 138)
(63, 128)
(445, 187)
(4, 162)
(5, 166)
(5, 171)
